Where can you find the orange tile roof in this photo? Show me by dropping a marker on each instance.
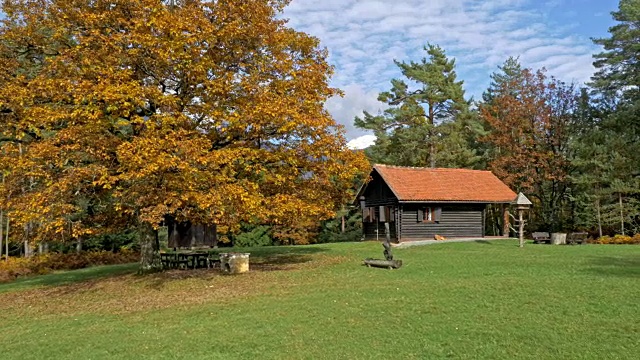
(439, 184)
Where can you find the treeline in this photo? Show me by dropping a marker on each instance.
(574, 151)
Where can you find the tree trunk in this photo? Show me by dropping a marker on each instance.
(6, 241)
(79, 245)
(149, 252)
(432, 145)
(621, 214)
(1, 225)
(505, 221)
(599, 217)
(27, 248)
(432, 154)
(215, 235)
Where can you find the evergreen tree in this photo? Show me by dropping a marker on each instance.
(428, 121)
(618, 65)
(510, 72)
(616, 131)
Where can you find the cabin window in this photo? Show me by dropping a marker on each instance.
(429, 214)
(369, 214)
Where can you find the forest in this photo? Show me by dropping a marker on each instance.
(115, 115)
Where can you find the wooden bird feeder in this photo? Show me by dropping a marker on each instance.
(522, 204)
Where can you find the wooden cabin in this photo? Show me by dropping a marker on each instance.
(420, 203)
(186, 235)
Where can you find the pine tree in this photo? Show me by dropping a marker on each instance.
(428, 121)
(616, 93)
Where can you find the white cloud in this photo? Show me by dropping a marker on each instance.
(361, 142)
(365, 36)
(355, 101)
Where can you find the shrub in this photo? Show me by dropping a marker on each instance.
(42, 264)
(619, 239)
(258, 236)
(622, 239)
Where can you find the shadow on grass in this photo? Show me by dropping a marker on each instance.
(625, 266)
(271, 258)
(267, 258)
(485, 242)
(70, 277)
(277, 256)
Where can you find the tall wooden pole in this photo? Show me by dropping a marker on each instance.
(521, 227)
(505, 220)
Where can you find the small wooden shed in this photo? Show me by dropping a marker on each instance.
(420, 203)
(188, 235)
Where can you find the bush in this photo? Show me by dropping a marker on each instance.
(46, 263)
(331, 230)
(258, 236)
(619, 239)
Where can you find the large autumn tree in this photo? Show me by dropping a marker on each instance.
(530, 120)
(210, 112)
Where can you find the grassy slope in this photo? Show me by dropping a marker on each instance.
(459, 300)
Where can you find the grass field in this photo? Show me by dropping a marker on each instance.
(488, 300)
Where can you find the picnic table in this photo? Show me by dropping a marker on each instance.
(541, 237)
(577, 238)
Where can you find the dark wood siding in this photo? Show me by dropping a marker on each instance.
(378, 192)
(455, 221)
(376, 230)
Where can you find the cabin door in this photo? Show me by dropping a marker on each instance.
(388, 221)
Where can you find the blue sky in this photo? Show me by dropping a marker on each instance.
(365, 36)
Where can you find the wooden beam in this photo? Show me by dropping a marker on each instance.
(505, 220)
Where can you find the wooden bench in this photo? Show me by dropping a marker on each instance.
(541, 237)
(577, 238)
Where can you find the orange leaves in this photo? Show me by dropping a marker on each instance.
(209, 111)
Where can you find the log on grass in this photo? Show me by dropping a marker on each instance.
(389, 264)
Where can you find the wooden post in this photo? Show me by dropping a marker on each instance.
(505, 220)
(521, 227)
(384, 218)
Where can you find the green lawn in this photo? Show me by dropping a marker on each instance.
(488, 300)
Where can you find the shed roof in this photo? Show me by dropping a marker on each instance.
(522, 200)
(440, 184)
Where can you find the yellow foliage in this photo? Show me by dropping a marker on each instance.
(619, 239)
(126, 111)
